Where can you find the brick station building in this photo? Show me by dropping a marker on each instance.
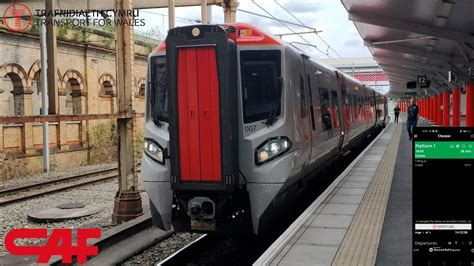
(86, 85)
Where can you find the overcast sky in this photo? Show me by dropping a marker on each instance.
(328, 16)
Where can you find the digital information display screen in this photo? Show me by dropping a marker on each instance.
(443, 196)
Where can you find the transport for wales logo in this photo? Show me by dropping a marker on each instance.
(59, 243)
(17, 17)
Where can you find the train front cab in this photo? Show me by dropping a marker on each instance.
(203, 117)
(176, 176)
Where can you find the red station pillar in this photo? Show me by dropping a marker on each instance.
(456, 107)
(433, 109)
(419, 102)
(427, 107)
(440, 112)
(469, 104)
(437, 109)
(423, 107)
(446, 107)
(420, 105)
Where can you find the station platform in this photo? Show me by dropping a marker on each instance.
(363, 217)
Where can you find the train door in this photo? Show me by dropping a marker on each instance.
(311, 85)
(345, 109)
(326, 113)
(373, 107)
(366, 104)
(198, 113)
(304, 112)
(366, 107)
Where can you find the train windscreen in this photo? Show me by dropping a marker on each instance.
(260, 74)
(158, 90)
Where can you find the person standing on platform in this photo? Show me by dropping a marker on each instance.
(396, 110)
(412, 118)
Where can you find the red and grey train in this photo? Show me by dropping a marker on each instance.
(238, 121)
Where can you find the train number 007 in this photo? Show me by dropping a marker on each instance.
(250, 128)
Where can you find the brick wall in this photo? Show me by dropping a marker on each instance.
(82, 70)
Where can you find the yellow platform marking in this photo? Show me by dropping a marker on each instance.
(361, 241)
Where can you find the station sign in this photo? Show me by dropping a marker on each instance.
(410, 93)
(422, 81)
(411, 85)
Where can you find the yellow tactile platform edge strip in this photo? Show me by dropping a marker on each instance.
(361, 241)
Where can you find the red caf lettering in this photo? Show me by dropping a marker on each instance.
(59, 243)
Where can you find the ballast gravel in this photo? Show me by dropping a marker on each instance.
(99, 195)
(162, 250)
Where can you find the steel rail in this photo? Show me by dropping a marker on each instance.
(20, 193)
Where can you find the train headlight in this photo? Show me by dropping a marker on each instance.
(271, 148)
(154, 150)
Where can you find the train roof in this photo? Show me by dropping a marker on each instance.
(246, 34)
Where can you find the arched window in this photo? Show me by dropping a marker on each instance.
(6, 98)
(36, 97)
(107, 91)
(107, 88)
(13, 101)
(73, 99)
(141, 90)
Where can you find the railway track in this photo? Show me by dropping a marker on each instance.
(219, 250)
(29, 191)
(178, 258)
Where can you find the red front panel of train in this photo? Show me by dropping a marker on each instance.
(198, 114)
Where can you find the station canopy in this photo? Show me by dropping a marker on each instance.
(413, 38)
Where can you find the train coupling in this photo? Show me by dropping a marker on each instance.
(202, 211)
(201, 208)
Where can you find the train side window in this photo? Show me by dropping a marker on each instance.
(158, 90)
(325, 109)
(260, 71)
(304, 107)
